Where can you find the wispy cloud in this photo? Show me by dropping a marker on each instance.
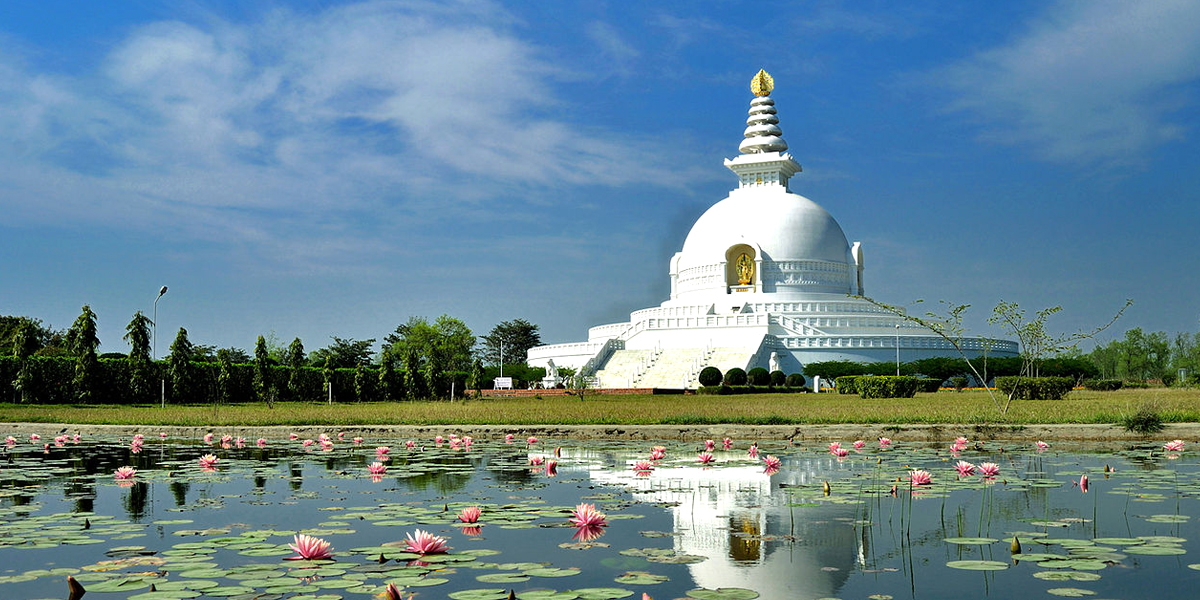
(1088, 82)
(289, 132)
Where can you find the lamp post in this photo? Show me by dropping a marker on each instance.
(162, 381)
(897, 349)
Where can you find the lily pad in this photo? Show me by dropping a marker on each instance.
(977, 565)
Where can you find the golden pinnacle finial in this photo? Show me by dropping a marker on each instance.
(762, 84)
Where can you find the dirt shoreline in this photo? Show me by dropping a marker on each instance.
(796, 433)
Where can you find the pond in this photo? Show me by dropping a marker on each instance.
(803, 524)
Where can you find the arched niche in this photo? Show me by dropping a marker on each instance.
(742, 262)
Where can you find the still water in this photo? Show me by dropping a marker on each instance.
(732, 528)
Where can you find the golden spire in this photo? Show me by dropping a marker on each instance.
(762, 84)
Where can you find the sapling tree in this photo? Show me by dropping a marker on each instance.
(137, 333)
(180, 366)
(1036, 343)
(263, 387)
(25, 343)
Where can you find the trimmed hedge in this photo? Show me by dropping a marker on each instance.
(929, 386)
(778, 379)
(795, 380)
(1035, 388)
(845, 384)
(710, 376)
(1103, 385)
(758, 376)
(886, 386)
(726, 390)
(735, 376)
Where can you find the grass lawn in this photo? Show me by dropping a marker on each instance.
(972, 406)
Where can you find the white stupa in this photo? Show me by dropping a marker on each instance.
(766, 279)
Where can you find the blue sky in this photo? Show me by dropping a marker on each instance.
(333, 168)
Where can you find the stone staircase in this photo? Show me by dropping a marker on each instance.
(667, 368)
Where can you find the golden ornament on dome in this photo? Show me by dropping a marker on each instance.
(762, 84)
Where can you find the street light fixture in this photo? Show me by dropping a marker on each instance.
(897, 349)
(154, 352)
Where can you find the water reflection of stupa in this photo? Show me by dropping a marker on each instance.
(739, 518)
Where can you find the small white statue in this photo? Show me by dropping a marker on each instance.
(774, 362)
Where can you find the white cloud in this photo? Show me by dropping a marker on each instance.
(286, 133)
(1089, 82)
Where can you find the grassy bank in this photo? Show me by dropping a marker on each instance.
(1080, 406)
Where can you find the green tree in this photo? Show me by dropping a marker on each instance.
(475, 379)
(439, 347)
(414, 385)
(1037, 344)
(346, 353)
(180, 366)
(362, 383)
(517, 336)
(82, 343)
(387, 375)
(44, 340)
(263, 387)
(294, 359)
(137, 334)
(224, 377)
(327, 373)
(24, 344)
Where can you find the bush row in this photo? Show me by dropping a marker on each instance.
(726, 390)
(1035, 388)
(52, 381)
(758, 376)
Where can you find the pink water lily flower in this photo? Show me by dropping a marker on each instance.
(709, 444)
(657, 454)
(437, 439)
(586, 515)
(162, 435)
(470, 514)
(705, 458)
(377, 468)
(357, 440)
(33, 437)
(136, 436)
(225, 439)
(531, 440)
(772, 462)
(752, 451)
(393, 593)
(727, 444)
(261, 443)
(920, 477)
(135, 446)
(125, 473)
(78, 437)
(208, 461)
(382, 450)
(208, 438)
(885, 442)
(551, 468)
(293, 436)
(423, 542)
(587, 533)
(1082, 483)
(1042, 445)
(956, 448)
(989, 469)
(454, 443)
(964, 468)
(643, 465)
(410, 444)
(961, 441)
(536, 460)
(341, 436)
(467, 441)
(308, 547)
(839, 452)
(1173, 446)
(833, 446)
(508, 438)
(859, 444)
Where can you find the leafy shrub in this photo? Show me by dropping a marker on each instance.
(735, 376)
(959, 382)
(845, 384)
(795, 380)
(929, 386)
(759, 376)
(1145, 420)
(710, 376)
(886, 386)
(715, 390)
(1135, 385)
(778, 379)
(1035, 388)
(1103, 385)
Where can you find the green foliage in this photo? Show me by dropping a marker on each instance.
(778, 378)
(1146, 420)
(388, 384)
(886, 386)
(364, 389)
(735, 376)
(343, 353)
(40, 340)
(180, 361)
(430, 350)
(726, 390)
(517, 335)
(940, 368)
(834, 369)
(929, 386)
(959, 382)
(264, 387)
(714, 390)
(82, 343)
(1103, 385)
(710, 376)
(759, 376)
(795, 380)
(847, 384)
(224, 378)
(1035, 388)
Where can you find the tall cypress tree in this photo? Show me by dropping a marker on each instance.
(82, 343)
(294, 358)
(137, 333)
(25, 343)
(262, 382)
(180, 363)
